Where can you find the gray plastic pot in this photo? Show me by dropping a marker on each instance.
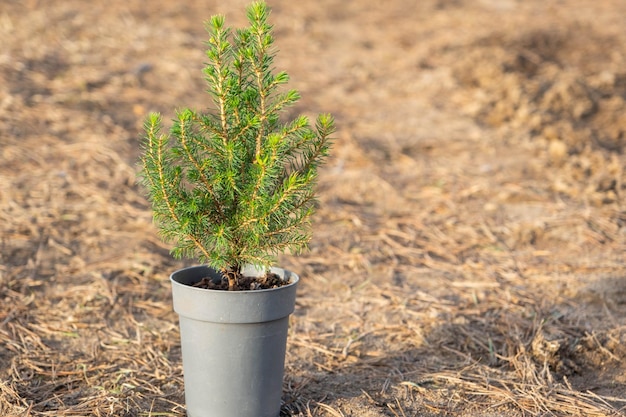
(233, 345)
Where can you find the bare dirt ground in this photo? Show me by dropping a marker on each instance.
(469, 250)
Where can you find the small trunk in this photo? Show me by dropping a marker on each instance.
(231, 274)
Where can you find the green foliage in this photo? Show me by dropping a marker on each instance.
(235, 185)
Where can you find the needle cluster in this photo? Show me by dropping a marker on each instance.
(235, 185)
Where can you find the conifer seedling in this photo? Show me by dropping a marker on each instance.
(234, 185)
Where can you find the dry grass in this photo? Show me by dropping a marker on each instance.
(468, 257)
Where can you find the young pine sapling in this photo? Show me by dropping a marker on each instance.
(235, 185)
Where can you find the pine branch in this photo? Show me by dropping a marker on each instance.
(156, 160)
(185, 118)
(218, 72)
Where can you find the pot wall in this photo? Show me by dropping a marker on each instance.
(233, 345)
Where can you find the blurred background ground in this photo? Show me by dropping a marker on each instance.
(468, 254)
